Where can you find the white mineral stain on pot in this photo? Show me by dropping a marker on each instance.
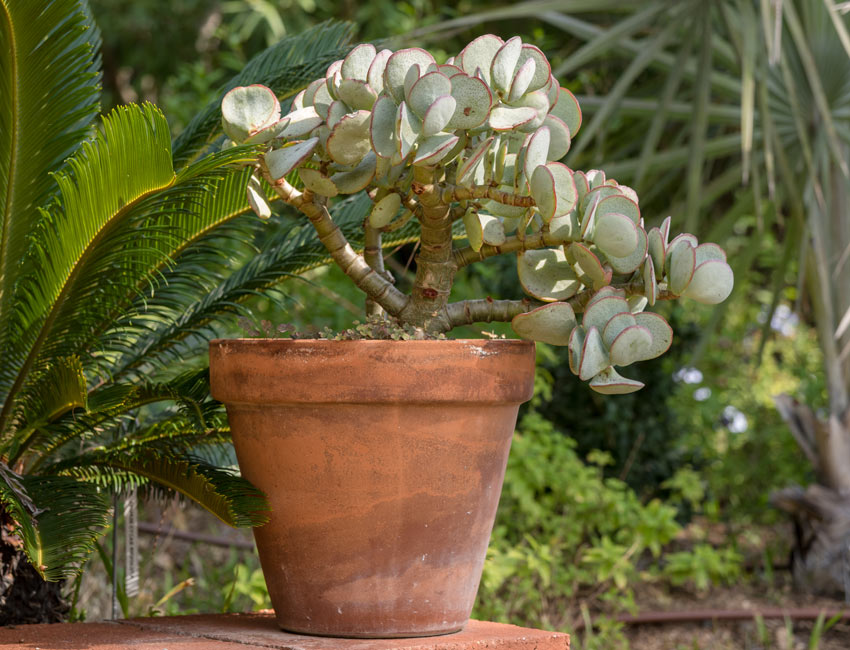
(478, 351)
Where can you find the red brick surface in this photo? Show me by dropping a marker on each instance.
(245, 631)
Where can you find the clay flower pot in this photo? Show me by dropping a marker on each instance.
(382, 462)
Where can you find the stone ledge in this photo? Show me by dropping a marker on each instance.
(243, 631)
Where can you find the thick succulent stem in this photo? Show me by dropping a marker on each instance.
(374, 256)
(367, 279)
(544, 239)
(435, 268)
(487, 310)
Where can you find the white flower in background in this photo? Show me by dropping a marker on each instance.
(734, 420)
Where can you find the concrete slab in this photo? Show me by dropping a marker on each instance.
(257, 630)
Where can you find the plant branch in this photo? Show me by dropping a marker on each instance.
(466, 255)
(367, 279)
(449, 193)
(374, 255)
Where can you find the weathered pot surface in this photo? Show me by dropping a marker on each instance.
(383, 462)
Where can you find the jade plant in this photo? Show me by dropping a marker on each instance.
(476, 141)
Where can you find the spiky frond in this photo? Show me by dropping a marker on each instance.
(47, 50)
(222, 492)
(57, 518)
(285, 67)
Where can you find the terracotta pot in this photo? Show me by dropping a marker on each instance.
(382, 462)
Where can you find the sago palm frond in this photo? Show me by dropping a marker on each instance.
(49, 95)
(221, 492)
(57, 518)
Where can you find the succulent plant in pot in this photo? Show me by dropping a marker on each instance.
(401, 445)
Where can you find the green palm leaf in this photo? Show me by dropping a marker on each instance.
(49, 95)
(57, 518)
(221, 492)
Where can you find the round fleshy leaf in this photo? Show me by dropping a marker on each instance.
(310, 92)
(466, 169)
(382, 127)
(349, 139)
(662, 334)
(414, 72)
(552, 323)
(474, 229)
(245, 110)
(427, 90)
(650, 286)
(298, 101)
(301, 122)
(594, 355)
(357, 94)
(620, 205)
(257, 198)
(552, 90)
(630, 345)
(610, 382)
(385, 210)
(538, 101)
(493, 230)
(712, 283)
(269, 133)
(565, 228)
(473, 98)
(504, 63)
(631, 262)
(356, 64)
(706, 252)
(398, 65)
(502, 210)
(637, 303)
(434, 148)
(605, 292)
(599, 312)
(536, 150)
(617, 324)
(542, 69)
(567, 110)
(615, 234)
(282, 161)
(559, 137)
(322, 101)
(336, 112)
(683, 262)
(657, 251)
(317, 182)
(508, 118)
(333, 68)
(375, 75)
(522, 79)
(574, 347)
(590, 264)
(595, 178)
(449, 70)
(543, 191)
(582, 186)
(665, 229)
(479, 54)
(438, 115)
(407, 130)
(546, 274)
(351, 182)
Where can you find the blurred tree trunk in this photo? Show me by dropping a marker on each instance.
(821, 513)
